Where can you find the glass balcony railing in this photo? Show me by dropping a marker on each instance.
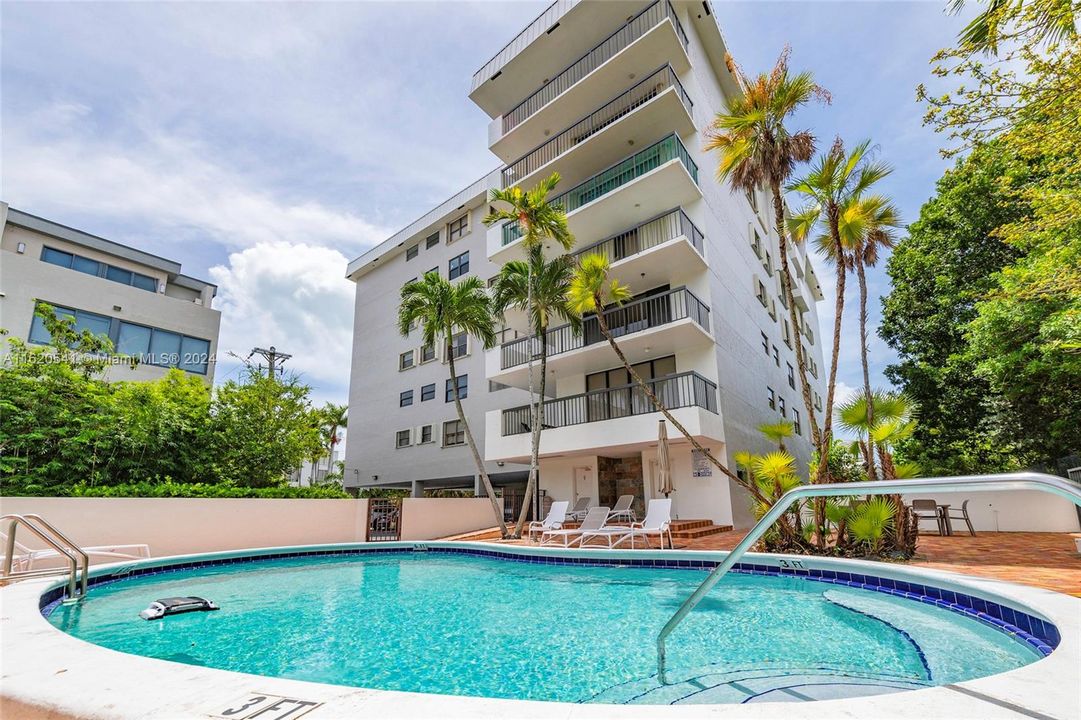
(635, 316)
(623, 104)
(604, 51)
(646, 235)
(687, 389)
(623, 172)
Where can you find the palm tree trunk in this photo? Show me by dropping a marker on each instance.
(871, 474)
(818, 438)
(496, 507)
(535, 432)
(534, 408)
(644, 386)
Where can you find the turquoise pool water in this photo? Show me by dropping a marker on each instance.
(467, 625)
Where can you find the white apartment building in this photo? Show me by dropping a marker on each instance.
(615, 96)
(142, 302)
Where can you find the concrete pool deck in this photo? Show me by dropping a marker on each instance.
(49, 674)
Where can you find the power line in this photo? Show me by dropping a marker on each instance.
(273, 357)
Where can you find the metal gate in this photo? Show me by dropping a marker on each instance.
(384, 519)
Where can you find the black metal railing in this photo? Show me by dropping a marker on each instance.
(604, 51)
(688, 389)
(623, 104)
(384, 519)
(646, 235)
(635, 316)
(625, 171)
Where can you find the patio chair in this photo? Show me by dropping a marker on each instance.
(24, 557)
(657, 522)
(962, 516)
(580, 508)
(622, 509)
(928, 510)
(594, 520)
(557, 515)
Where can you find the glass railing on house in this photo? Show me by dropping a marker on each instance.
(635, 316)
(623, 104)
(646, 235)
(687, 389)
(604, 51)
(623, 172)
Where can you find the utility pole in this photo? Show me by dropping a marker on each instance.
(273, 357)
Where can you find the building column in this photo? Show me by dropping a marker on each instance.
(418, 489)
(478, 487)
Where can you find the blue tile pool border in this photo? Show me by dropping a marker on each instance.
(1040, 635)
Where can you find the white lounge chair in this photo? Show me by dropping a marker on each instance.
(24, 557)
(557, 515)
(594, 520)
(657, 522)
(581, 507)
(622, 509)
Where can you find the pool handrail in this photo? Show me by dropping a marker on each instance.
(58, 542)
(977, 483)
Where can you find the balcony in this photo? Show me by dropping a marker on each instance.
(645, 184)
(650, 109)
(648, 40)
(614, 418)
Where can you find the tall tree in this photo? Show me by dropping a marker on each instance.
(591, 291)
(833, 188)
(443, 309)
(539, 222)
(758, 150)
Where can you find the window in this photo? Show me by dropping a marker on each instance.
(119, 275)
(795, 422)
(771, 398)
(756, 243)
(164, 348)
(412, 252)
(433, 270)
(457, 229)
(403, 439)
(786, 334)
(772, 310)
(194, 355)
(791, 376)
(453, 433)
(90, 267)
(753, 200)
(427, 392)
(760, 292)
(405, 360)
(425, 434)
(98, 269)
(133, 340)
(765, 343)
(56, 257)
(776, 356)
(405, 398)
(768, 264)
(781, 407)
(458, 345)
(427, 353)
(463, 388)
(458, 266)
(143, 282)
(818, 401)
(431, 241)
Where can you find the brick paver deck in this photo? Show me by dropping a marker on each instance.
(1047, 560)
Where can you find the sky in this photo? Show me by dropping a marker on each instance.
(266, 145)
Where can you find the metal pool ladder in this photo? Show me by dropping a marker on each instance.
(58, 541)
(977, 483)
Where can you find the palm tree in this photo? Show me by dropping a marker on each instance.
(539, 289)
(757, 150)
(331, 418)
(443, 309)
(539, 221)
(591, 291)
(833, 187)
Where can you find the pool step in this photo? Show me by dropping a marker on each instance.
(693, 529)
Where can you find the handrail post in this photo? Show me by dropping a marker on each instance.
(977, 483)
(73, 563)
(64, 538)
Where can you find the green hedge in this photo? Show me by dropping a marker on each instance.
(169, 489)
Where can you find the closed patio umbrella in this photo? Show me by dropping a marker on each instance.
(664, 465)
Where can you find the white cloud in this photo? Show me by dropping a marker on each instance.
(292, 296)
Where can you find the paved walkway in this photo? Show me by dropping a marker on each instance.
(1048, 560)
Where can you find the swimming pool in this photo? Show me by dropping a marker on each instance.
(453, 621)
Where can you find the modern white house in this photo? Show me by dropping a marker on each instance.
(615, 96)
(143, 303)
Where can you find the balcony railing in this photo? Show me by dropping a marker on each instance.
(635, 316)
(623, 172)
(688, 389)
(623, 104)
(604, 51)
(646, 235)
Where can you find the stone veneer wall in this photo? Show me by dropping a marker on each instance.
(621, 476)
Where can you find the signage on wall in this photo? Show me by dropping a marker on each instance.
(700, 465)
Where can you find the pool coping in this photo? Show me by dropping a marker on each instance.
(45, 669)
